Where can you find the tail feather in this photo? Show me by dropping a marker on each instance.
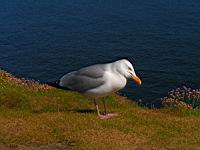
(54, 83)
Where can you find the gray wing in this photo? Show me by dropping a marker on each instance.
(84, 79)
(95, 71)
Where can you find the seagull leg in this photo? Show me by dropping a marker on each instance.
(105, 114)
(104, 106)
(97, 107)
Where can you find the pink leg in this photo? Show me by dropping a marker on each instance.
(97, 107)
(105, 114)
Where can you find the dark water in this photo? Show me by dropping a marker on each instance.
(44, 39)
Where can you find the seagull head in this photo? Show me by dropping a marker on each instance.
(125, 68)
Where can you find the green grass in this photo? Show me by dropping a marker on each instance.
(34, 116)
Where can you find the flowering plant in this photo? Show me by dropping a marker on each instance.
(182, 97)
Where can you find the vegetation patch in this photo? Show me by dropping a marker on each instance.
(36, 116)
(183, 98)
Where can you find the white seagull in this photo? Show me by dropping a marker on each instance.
(99, 80)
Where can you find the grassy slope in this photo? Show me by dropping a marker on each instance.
(39, 117)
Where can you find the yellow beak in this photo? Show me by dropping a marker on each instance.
(137, 80)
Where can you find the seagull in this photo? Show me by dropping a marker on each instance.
(99, 80)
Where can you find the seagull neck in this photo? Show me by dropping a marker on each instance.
(115, 68)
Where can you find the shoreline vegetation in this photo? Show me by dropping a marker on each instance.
(36, 116)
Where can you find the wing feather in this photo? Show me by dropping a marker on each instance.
(84, 79)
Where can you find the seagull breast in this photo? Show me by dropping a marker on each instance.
(117, 81)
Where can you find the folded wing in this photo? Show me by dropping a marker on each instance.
(84, 79)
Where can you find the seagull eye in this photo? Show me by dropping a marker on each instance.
(129, 68)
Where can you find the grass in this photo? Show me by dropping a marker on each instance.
(34, 116)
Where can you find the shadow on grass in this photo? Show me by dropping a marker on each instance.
(48, 110)
(84, 110)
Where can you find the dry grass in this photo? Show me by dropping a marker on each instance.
(34, 116)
